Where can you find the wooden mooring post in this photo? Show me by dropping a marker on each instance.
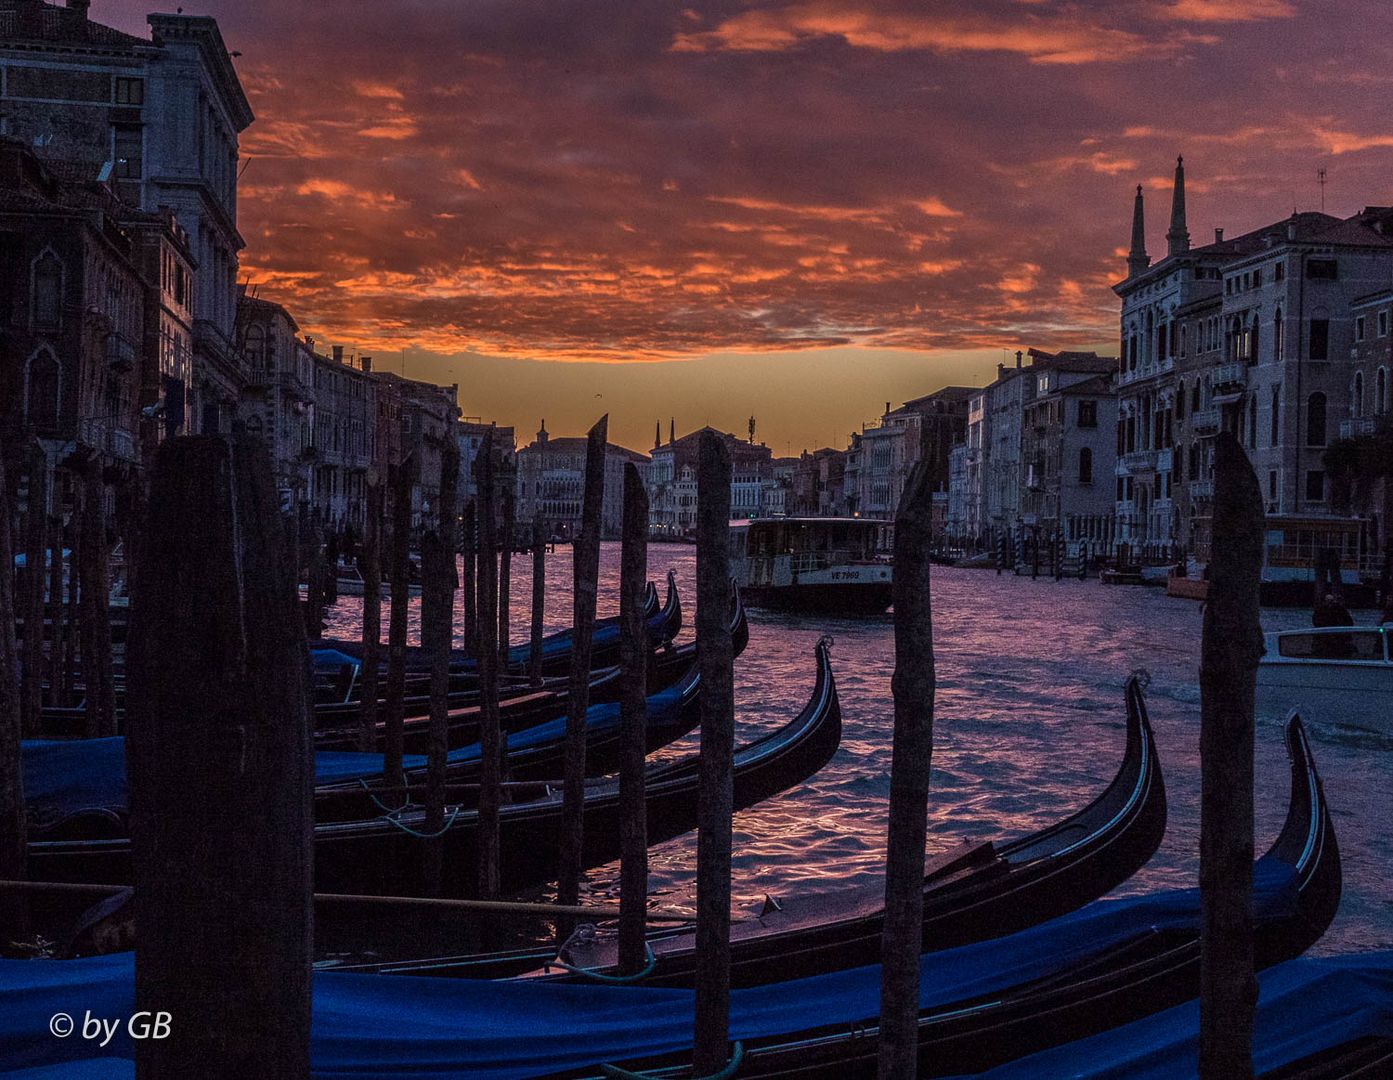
(1230, 648)
(99, 684)
(586, 568)
(539, 601)
(507, 502)
(437, 633)
(12, 830)
(400, 580)
(221, 771)
(492, 746)
(715, 797)
(370, 568)
(633, 717)
(912, 754)
(35, 558)
(469, 573)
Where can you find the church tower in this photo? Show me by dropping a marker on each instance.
(1137, 259)
(1178, 236)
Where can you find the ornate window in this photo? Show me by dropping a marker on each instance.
(46, 311)
(43, 389)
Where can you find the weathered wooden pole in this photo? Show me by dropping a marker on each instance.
(913, 685)
(492, 748)
(586, 562)
(469, 578)
(35, 557)
(311, 538)
(1229, 652)
(53, 609)
(400, 574)
(633, 720)
(539, 600)
(370, 568)
(437, 634)
(715, 797)
(507, 502)
(96, 611)
(12, 831)
(221, 771)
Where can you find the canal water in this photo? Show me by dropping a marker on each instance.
(1029, 726)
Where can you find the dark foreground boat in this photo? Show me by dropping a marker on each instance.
(971, 893)
(982, 1005)
(336, 726)
(384, 854)
(1317, 1019)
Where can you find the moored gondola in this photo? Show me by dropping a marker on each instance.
(971, 893)
(383, 854)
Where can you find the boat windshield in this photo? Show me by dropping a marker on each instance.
(1332, 645)
(852, 540)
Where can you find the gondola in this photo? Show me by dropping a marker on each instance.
(664, 624)
(982, 1004)
(971, 893)
(1327, 1018)
(1108, 964)
(336, 727)
(383, 854)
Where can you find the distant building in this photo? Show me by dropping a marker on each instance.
(551, 482)
(161, 118)
(279, 402)
(1070, 457)
(427, 417)
(888, 449)
(672, 481)
(345, 450)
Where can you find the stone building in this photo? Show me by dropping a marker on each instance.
(470, 433)
(551, 481)
(81, 304)
(278, 404)
(889, 447)
(160, 118)
(1069, 453)
(1257, 335)
(672, 480)
(419, 419)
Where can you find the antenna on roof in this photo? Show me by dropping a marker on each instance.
(1320, 179)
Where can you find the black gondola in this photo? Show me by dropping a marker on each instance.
(971, 893)
(383, 854)
(1152, 967)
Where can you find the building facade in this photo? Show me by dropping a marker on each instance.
(551, 483)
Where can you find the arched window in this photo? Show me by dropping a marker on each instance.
(1253, 422)
(255, 348)
(46, 311)
(1085, 466)
(1180, 400)
(1381, 392)
(43, 389)
(1277, 336)
(1252, 347)
(1315, 419)
(1356, 396)
(1275, 427)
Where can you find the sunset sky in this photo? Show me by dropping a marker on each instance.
(793, 210)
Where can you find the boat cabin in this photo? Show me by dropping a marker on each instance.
(776, 551)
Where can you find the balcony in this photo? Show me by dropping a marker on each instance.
(1229, 381)
(1359, 427)
(1205, 421)
(1139, 461)
(114, 442)
(1163, 460)
(1201, 489)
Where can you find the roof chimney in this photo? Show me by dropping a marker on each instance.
(1178, 236)
(80, 6)
(1137, 259)
(1218, 235)
(1018, 359)
(338, 354)
(365, 362)
(887, 408)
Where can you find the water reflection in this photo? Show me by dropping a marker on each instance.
(1029, 726)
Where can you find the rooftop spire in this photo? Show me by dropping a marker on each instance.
(1178, 236)
(1137, 259)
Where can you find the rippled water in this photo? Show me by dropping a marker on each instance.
(1029, 726)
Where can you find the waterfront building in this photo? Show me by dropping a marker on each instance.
(1256, 335)
(1069, 452)
(470, 433)
(671, 480)
(816, 484)
(551, 482)
(345, 451)
(160, 118)
(956, 523)
(81, 312)
(889, 447)
(278, 404)
(427, 417)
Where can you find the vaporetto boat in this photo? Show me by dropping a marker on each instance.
(825, 565)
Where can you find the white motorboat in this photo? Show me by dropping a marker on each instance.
(1333, 674)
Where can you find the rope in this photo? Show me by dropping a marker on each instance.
(383, 807)
(416, 832)
(650, 962)
(732, 1067)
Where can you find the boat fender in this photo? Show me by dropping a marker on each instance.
(649, 963)
(732, 1066)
